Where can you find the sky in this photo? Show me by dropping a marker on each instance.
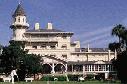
(90, 20)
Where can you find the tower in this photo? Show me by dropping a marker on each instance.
(19, 25)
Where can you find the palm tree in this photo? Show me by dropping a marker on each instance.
(121, 62)
(121, 32)
(118, 31)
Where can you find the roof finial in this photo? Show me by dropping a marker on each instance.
(19, 1)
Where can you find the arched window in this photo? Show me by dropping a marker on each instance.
(19, 19)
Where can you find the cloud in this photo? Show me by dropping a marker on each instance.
(101, 37)
(94, 32)
(97, 38)
(91, 36)
(104, 41)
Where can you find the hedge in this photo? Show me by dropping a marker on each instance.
(51, 78)
(73, 77)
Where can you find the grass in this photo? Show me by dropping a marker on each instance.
(62, 82)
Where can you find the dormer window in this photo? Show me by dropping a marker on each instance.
(78, 55)
(52, 46)
(64, 46)
(64, 56)
(64, 37)
(43, 46)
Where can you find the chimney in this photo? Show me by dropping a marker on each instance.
(88, 48)
(49, 26)
(37, 27)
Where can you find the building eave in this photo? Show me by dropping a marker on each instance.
(69, 33)
(91, 52)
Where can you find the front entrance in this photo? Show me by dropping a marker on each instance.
(46, 69)
(59, 68)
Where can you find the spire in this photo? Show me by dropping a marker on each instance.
(19, 1)
(19, 11)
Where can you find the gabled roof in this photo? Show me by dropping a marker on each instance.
(19, 11)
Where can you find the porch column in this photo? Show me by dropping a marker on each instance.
(83, 69)
(94, 67)
(65, 68)
(108, 67)
(89, 68)
(106, 75)
(53, 66)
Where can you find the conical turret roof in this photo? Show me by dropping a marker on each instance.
(19, 11)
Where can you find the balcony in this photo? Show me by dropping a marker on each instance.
(42, 39)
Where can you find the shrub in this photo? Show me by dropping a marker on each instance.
(51, 78)
(73, 77)
(89, 77)
(61, 78)
(47, 78)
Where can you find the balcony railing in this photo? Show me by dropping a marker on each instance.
(41, 39)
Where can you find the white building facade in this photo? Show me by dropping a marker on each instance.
(60, 54)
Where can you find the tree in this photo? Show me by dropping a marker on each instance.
(15, 56)
(1, 48)
(11, 55)
(121, 66)
(33, 63)
(121, 47)
(118, 30)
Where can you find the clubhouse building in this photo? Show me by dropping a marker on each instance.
(59, 53)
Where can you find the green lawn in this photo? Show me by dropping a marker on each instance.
(55, 82)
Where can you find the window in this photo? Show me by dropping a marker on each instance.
(92, 67)
(96, 67)
(100, 68)
(64, 56)
(64, 46)
(35, 47)
(43, 46)
(52, 47)
(64, 37)
(86, 68)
